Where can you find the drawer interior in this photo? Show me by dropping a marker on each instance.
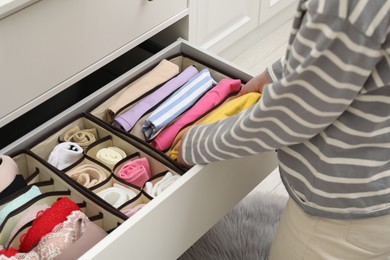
(179, 215)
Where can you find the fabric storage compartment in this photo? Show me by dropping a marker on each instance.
(179, 216)
(36, 172)
(91, 173)
(138, 107)
(105, 137)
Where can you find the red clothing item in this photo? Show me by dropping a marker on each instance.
(46, 221)
(9, 252)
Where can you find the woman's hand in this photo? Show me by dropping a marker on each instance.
(256, 84)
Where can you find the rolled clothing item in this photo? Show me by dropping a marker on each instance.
(136, 171)
(180, 101)
(17, 184)
(158, 75)
(8, 171)
(116, 195)
(230, 108)
(83, 137)
(130, 212)
(155, 189)
(29, 215)
(128, 119)
(65, 154)
(45, 223)
(110, 155)
(87, 175)
(208, 101)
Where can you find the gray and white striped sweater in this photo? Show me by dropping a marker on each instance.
(327, 112)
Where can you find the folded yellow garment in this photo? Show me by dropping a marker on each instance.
(229, 108)
(110, 155)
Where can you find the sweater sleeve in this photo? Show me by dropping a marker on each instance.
(275, 72)
(327, 64)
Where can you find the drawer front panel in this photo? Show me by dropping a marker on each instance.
(178, 217)
(65, 38)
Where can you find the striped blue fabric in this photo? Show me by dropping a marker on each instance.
(179, 102)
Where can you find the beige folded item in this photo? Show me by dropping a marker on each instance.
(164, 71)
(87, 175)
(83, 137)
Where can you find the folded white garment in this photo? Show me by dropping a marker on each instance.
(116, 195)
(65, 154)
(156, 189)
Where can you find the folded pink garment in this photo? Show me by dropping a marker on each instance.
(136, 172)
(213, 97)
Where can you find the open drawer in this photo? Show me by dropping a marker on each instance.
(170, 223)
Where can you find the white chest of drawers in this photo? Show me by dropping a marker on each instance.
(172, 222)
(51, 44)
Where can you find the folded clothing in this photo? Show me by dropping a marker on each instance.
(155, 189)
(83, 137)
(229, 108)
(116, 195)
(136, 171)
(110, 155)
(128, 119)
(46, 221)
(32, 192)
(28, 216)
(65, 154)
(69, 239)
(180, 101)
(87, 175)
(158, 75)
(208, 101)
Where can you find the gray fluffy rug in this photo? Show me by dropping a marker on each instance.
(245, 233)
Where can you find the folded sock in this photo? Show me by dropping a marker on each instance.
(116, 195)
(155, 189)
(83, 137)
(65, 154)
(110, 155)
(87, 175)
(136, 172)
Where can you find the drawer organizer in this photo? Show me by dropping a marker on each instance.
(52, 186)
(169, 223)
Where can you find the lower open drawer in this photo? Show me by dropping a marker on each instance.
(170, 223)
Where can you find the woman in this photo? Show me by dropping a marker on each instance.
(325, 107)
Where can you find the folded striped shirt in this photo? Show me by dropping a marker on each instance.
(178, 103)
